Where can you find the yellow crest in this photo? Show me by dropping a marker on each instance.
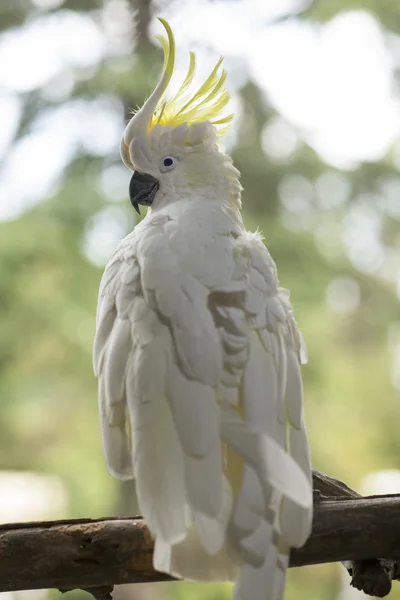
(187, 106)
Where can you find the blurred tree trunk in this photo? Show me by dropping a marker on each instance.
(143, 16)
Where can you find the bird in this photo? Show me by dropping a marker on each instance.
(198, 354)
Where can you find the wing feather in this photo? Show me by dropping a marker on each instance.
(110, 355)
(157, 452)
(196, 412)
(274, 466)
(195, 335)
(203, 478)
(106, 315)
(200, 393)
(115, 438)
(265, 427)
(294, 390)
(115, 361)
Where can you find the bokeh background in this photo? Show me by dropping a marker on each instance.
(315, 89)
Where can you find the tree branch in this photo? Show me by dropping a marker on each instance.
(99, 553)
(372, 576)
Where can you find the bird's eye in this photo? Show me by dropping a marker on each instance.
(167, 163)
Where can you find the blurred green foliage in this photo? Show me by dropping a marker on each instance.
(48, 294)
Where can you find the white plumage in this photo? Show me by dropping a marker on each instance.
(197, 354)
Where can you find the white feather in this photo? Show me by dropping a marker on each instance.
(158, 454)
(189, 560)
(261, 391)
(115, 360)
(250, 503)
(116, 443)
(196, 337)
(258, 582)
(255, 547)
(196, 413)
(200, 390)
(106, 316)
(162, 556)
(296, 523)
(294, 390)
(158, 467)
(212, 531)
(272, 464)
(203, 479)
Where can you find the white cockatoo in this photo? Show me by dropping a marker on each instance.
(198, 356)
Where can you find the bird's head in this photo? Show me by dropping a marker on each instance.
(171, 144)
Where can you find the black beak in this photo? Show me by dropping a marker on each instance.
(142, 189)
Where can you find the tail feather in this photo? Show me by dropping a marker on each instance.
(254, 548)
(282, 565)
(162, 556)
(189, 560)
(265, 582)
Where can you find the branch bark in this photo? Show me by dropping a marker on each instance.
(94, 554)
(372, 576)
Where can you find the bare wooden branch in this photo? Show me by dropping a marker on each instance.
(374, 576)
(329, 487)
(98, 553)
